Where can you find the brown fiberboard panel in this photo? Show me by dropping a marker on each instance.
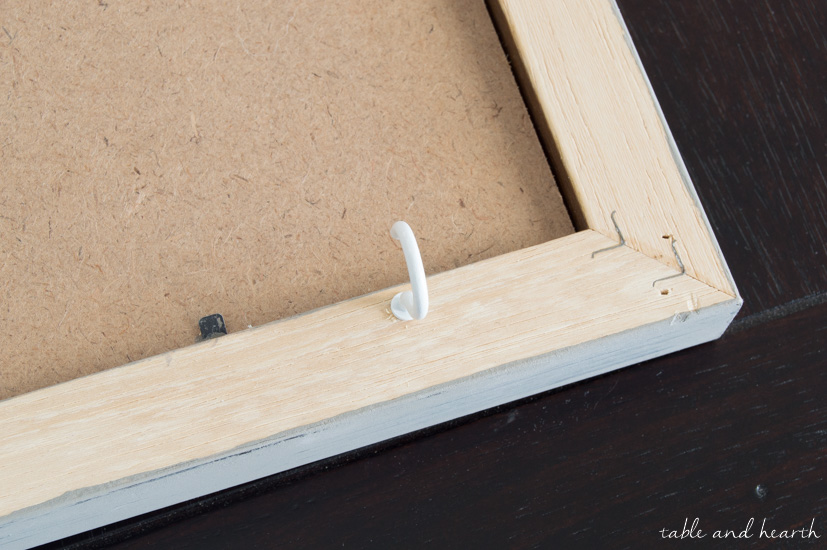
(159, 163)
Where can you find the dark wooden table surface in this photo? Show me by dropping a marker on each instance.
(724, 432)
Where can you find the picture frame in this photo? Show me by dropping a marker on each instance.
(642, 277)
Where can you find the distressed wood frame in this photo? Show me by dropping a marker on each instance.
(173, 427)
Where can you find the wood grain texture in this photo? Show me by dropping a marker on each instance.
(605, 132)
(602, 464)
(742, 84)
(253, 385)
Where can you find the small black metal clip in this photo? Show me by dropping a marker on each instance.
(212, 326)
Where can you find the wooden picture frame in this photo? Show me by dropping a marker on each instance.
(183, 424)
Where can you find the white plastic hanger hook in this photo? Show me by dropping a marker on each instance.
(410, 304)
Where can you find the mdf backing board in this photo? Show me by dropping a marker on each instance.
(159, 163)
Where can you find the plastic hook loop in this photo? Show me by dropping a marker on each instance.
(410, 304)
